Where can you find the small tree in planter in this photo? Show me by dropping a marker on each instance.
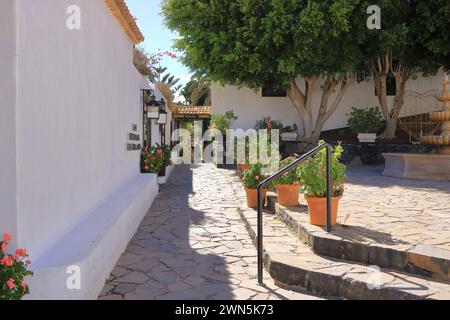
(223, 122)
(152, 160)
(13, 270)
(252, 177)
(288, 186)
(167, 159)
(366, 123)
(314, 185)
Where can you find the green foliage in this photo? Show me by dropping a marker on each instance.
(290, 177)
(152, 159)
(414, 32)
(223, 122)
(253, 176)
(256, 42)
(313, 175)
(13, 270)
(431, 27)
(197, 92)
(268, 124)
(167, 155)
(365, 120)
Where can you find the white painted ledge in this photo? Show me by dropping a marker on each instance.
(95, 245)
(169, 170)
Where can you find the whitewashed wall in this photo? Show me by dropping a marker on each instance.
(8, 96)
(79, 95)
(250, 106)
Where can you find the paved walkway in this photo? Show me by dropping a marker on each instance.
(396, 212)
(193, 245)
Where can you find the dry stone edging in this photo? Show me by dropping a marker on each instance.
(332, 277)
(421, 260)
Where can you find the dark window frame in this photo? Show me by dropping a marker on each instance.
(269, 92)
(391, 86)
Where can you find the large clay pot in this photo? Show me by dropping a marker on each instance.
(288, 195)
(252, 197)
(242, 167)
(318, 210)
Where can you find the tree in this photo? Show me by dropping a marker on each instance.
(432, 29)
(254, 43)
(402, 49)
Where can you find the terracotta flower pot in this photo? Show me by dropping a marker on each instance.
(318, 210)
(252, 197)
(242, 167)
(288, 195)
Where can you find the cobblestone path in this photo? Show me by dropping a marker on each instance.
(193, 245)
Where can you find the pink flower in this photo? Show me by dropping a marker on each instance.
(28, 262)
(257, 178)
(146, 168)
(6, 237)
(21, 252)
(10, 283)
(4, 246)
(6, 261)
(24, 285)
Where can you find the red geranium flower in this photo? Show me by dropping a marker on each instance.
(21, 252)
(6, 237)
(6, 261)
(10, 283)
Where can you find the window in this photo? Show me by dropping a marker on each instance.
(269, 91)
(391, 84)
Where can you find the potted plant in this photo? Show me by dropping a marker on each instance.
(289, 133)
(152, 160)
(366, 123)
(252, 177)
(288, 186)
(14, 268)
(166, 162)
(314, 186)
(223, 122)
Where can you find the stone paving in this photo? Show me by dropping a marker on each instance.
(193, 245)
(395, 211)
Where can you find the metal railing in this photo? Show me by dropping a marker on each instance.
(269, 180)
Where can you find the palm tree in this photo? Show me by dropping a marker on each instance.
(197, 92)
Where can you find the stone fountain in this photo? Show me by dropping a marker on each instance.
(426, 166)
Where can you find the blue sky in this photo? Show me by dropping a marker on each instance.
(157, 36)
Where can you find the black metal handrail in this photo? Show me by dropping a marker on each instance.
(275, 176)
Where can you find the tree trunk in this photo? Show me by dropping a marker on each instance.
(381, 69)
(303, 103)
(300, 101)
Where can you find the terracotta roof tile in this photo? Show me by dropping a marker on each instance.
(120, 10)
(193, 111)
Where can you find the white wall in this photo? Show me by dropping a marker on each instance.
(250, 106)
(79, 96)
(8, 97)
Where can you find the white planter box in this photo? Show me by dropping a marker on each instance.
(367, 137)
(289, 136)
(169, 170)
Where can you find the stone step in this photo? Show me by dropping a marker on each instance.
(293, 264)
(353, 243)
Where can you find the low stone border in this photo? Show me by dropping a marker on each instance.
(422, 260)
(292, 264)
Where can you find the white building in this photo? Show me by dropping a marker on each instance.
(250, 105)
(70, 192)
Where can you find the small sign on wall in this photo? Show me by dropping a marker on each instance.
(134, 139)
